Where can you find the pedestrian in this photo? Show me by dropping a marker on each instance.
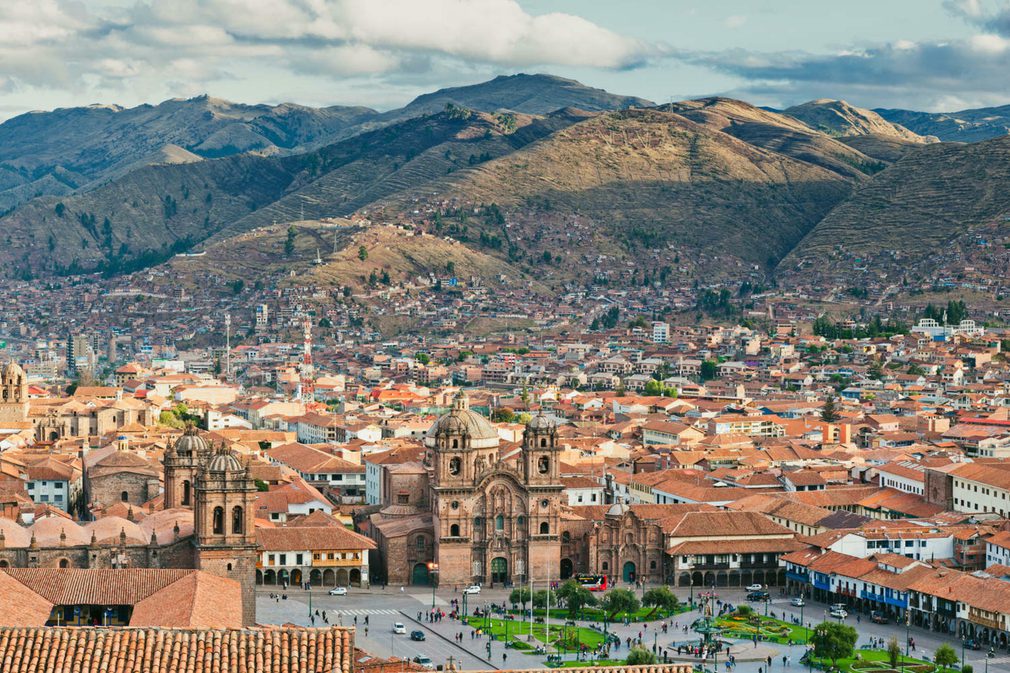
(503, 658)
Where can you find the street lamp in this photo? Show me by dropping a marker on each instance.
(806, 636)
(433, 573)
(306, 573)
(692, 592)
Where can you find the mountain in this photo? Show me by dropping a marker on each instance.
(639, 184)
(147, 214)
(914, 209)
(838, 118)
(777, 133)
(532, 94)
(966, 126)
(45, 153)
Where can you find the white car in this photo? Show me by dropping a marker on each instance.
(838, 613)
(755, 587)
(797, 602)
(472, 589)
(398, 627)
(338, 591)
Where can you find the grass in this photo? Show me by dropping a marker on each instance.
(876, 661)
(769, 629)
(643, 614)
(565, 638)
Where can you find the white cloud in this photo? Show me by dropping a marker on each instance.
(735, 21)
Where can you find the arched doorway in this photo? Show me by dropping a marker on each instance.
(355, 577)
(315, 577)
(296, 577)
(567, 568)
(259, 577)
(628, 573)
(329, 578)
(684, 580)
(270, 577)
(282, 577)
(419, 575)
(342, 577)
(499, 570)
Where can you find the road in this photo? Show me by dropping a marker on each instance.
(385, 607)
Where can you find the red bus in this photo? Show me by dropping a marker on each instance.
(592, 582)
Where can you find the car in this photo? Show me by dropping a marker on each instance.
(759, 596)
(838, 606)
(424, 661)
(756, 587)
(838, 613)
(398, 627)
(338, 591)
(878, 617)
(417, 635)
(472, 589)
(797, 602)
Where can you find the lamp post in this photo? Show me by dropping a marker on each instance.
(306, 573)
(806, 636)
(692, 592)
(433, 573)
(962, 653)
(465, 595)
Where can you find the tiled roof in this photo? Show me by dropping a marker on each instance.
(323, 537)
(157, 650)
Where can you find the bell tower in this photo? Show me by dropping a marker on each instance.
(542, 479)
(224, 522)
(182, 462)
(13, 393)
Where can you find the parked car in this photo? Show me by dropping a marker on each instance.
(797, 602)
(417, 635)
(338, 591)
(838, 606)
(759, 596)
(398, 627)
(756, 587)
(424, 661)
(878, 617)
(838, 613)
(472, 589)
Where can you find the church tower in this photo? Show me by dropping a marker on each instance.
(182, 463)
(542, 478)
(224, 521)
(13, 394)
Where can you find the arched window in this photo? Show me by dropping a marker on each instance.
(478, 522)
(229, 567)
(652, 565)
(454, 530)
(455, 465)
(420, 542)
(237, 521)
(455, 443)
(499, 522)
(186, 488)
(5, 563)
(605, 566)
(124, 496)
(566, 537)
(218, 524)
(543, 442)
(544, 464)
(545, 528)
(64, 563)
(520, 521)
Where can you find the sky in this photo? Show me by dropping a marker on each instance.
(937, 55)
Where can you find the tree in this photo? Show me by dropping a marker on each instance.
(503, 415)
(945, 656)
(893, 652)
(289, 242)
(834, 641)
(362, 253)
(829, 412)
(660, 598)
(620, 600)
(423, 358)
(521, 596)
(639, 656)
(709, 370)
(541, 598)
(575, 597)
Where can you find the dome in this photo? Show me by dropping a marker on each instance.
(12, 371)
(108, 528)
(462, 421)
(541, 423)
(48, 532)
(15, 535)
(224, 461)
(191, 443)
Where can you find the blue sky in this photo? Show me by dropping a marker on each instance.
(923, 54)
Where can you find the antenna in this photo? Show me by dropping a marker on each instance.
(227, 347)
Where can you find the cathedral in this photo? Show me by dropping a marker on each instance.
(486, 518)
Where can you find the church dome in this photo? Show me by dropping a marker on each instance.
(541, 423)
(13, 370)
(191, 443)
(461, 421)
(224, 461)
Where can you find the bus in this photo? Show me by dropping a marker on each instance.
(592, 582)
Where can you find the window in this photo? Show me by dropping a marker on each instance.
(545, 528)
(605, 566)
(218, 522)
(454, 530)
(478, 522)
(455, 443)
(402, 499)
(454, 504)
(237, 521)
(520, 522)
(544, 465)
(499, 522)
(543, 442)
(186, 489)
(566, 537)
(271, 559)
(58, 485)
(64, 563)
(652, 565)
(298, 559)
(455, 465)
(124, 496)
(420, 542)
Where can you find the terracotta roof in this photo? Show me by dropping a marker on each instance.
(302, 537)
(156, 650)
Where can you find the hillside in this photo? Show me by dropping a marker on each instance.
(838, 118)
(777, 133)
(965, 126)
(649, 184)
(82, 146)
(918, 205)
(532, 94)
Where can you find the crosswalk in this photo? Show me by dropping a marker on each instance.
(366, 612)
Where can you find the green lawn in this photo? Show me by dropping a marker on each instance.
(769, 629)
(643, 614)
(565, 638)
(876, 661)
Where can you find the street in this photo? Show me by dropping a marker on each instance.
(385, 607)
